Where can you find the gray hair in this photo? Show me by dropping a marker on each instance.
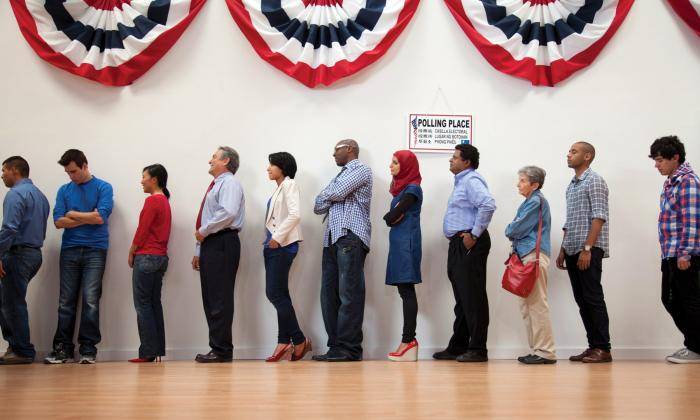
(533, 174)
(232, 156)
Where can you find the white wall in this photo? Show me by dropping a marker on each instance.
(212, 89)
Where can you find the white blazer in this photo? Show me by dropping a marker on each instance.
(283, 216)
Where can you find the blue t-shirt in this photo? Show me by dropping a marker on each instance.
(86, 197)
(292, 248)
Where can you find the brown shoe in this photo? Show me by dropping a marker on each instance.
(598, 356)
(579, 357)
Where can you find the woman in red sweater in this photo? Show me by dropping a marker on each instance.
(148, 256)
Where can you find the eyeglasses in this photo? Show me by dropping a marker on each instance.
(341, 146)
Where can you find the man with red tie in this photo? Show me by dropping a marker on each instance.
(218, 251)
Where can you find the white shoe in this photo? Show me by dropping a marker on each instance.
(409, 354)
(87, 360)
(684, 356)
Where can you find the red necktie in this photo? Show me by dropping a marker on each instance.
(201, 207)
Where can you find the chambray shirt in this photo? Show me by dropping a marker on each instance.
(346, 202)
(95, 194)
(224, 207)
(586, 199)
(24, 214)
(470, 206)
(524, 228)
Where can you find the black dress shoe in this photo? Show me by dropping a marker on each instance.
(472, 356)
(212, 357)
(341, 357)
(15, 359)
(445, 355)
(320, 357)
(532, 359)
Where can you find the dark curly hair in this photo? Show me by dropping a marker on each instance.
(667, 147)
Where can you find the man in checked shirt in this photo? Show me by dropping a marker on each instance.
(345, 204)
(583, 248)
(679, 224)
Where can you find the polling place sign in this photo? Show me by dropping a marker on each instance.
(435, 133)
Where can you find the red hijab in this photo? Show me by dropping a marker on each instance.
(409, 172)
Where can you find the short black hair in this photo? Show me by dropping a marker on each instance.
(18, 163)
(469, 153)
(73, 155)
(285, 162)
(667, 147)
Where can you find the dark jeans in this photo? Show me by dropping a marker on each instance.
(20, 265)
(147, 282)
(588, 293)
(277, 265)
(680, 294)
(343, 294)
(218, 264)
(466, 270)
(81, 271)
(410, 311)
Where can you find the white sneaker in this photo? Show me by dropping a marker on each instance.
(87, 360)
(684, 356)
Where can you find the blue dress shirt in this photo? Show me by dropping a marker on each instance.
(25, 211)
(470, 206)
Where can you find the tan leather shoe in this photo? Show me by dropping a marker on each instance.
(598, 356)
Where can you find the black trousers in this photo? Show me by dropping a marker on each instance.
(588, 293)
(218, 263)
(466, 270)
(410, 311)
(680, 294)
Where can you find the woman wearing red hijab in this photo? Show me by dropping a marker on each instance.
(403, 265)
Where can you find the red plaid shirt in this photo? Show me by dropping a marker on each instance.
(679, 219)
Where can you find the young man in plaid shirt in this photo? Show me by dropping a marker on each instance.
(679, 224)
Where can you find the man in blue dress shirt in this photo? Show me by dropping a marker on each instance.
(82, 209)
(345, 204)
(24, 214)
(218, 251)
(469, 212)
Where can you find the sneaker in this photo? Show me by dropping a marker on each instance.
(59, 356)
(88, 359)
(684, 356)
(678, 352)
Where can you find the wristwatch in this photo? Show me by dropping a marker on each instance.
(587, 248)
(473, 237)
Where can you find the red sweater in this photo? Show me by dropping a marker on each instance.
(152, 235)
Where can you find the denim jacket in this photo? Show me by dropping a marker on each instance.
(522, 231)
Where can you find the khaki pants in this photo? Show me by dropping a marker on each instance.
(535, 311)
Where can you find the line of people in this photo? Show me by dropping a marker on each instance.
(83, 207)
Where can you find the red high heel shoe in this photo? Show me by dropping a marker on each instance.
(143, 360)
(409, 354)
(284, 354)
(307, 348)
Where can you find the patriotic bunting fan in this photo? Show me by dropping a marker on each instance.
(689, 11)
(321, 41)
(113, 42)
(544, 41)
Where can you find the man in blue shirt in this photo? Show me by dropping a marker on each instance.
(24, 214)
(82, 209)
(345, 204)
(469, 212)
(218, 251)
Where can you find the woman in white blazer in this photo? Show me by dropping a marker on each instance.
(281, 245)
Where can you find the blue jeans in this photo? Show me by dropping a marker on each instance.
(343, 294)
(147, 281)
(20, 265)
(277, 264)
(81, 271)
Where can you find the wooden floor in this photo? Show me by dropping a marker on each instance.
(372, 389)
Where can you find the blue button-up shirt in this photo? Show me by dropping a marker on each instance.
(224, 207)
(470, 206)
(523, 229)
(346, 202)
(25, 211)
(89, 196)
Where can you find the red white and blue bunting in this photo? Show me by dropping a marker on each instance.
(689, 11)
(543, 41)
(321, 41)
(113, 42)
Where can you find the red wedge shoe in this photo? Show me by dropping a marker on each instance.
(409, 354)
(284, 354)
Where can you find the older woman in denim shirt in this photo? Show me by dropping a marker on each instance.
(522, 231)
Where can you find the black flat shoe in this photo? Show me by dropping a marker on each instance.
(472, 356)
(445, 355)
(342, 358)
(532, 359)
(212, 357)
(320, 357)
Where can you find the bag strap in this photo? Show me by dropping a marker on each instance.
(539, 233)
